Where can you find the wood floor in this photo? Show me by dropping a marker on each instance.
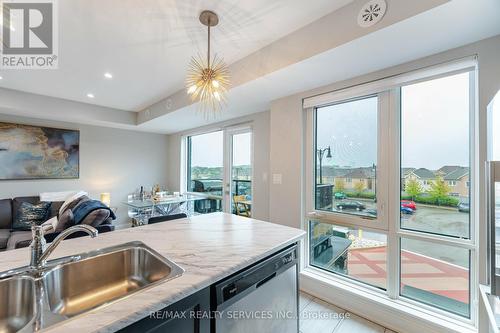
(318, 316)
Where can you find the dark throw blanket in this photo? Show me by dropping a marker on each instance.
(82, 210)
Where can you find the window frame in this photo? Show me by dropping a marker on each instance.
(390, 95)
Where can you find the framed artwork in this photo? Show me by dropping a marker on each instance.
(34, 152)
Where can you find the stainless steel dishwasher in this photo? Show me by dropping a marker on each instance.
(262, 298)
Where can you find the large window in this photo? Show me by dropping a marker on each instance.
(392, 181)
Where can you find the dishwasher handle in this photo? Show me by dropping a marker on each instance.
(267, 279)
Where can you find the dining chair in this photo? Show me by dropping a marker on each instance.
(240, 206)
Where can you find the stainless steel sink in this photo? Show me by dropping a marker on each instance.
(72, 285)
(111, 274)
(17, 306)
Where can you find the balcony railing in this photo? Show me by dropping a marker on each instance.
(214, 187)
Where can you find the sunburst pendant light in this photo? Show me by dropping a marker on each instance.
(208, 79)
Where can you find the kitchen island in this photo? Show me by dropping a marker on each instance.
(208, 247)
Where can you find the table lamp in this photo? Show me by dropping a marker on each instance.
(106, 199)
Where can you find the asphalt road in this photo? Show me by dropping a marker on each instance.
(436, 220)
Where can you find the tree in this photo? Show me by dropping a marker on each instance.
(339, 185)
(359, 187)
(439, 189)
(413, 188)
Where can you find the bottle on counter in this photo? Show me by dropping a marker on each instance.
(141, 194)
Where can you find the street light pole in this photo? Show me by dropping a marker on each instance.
(321, 154)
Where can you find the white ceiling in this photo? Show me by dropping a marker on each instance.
(147, 45)
(425, 34)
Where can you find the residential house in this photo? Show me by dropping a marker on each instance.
(458, 180)
(364, 176)
(456, 177)
(332, 173)
(424, 177)
(444, 170)
(350, 177)
(405, 172)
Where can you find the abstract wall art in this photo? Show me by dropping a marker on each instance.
(33, 152)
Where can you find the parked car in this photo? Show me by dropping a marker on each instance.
(351, 205)
(340, 195)
(406, 210)
(464, 207)
(371, 212)
(409, 204)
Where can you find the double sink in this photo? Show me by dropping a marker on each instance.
(65, 287)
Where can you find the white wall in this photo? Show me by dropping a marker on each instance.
(287, 130)
(286, 148)
(260, 126)
(111, 160)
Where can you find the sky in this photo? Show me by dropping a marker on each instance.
(207, 149)
(435, 122)
(350, 129)
(435, 126)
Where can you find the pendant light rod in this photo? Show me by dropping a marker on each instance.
(209, 19)
(208, 53)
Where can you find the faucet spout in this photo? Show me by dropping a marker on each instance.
(40, 252)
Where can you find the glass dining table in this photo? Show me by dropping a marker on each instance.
(142, 210)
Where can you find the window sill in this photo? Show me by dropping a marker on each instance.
(397, 315)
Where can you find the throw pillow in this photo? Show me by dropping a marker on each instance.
(29, 214)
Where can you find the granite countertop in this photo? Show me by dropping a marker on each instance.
(208, 247)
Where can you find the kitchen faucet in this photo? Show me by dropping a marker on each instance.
(39, 249)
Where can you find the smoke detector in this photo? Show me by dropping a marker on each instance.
(371, 13)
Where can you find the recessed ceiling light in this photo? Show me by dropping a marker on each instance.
(90, 95)
(1, 77)
(108, 75)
